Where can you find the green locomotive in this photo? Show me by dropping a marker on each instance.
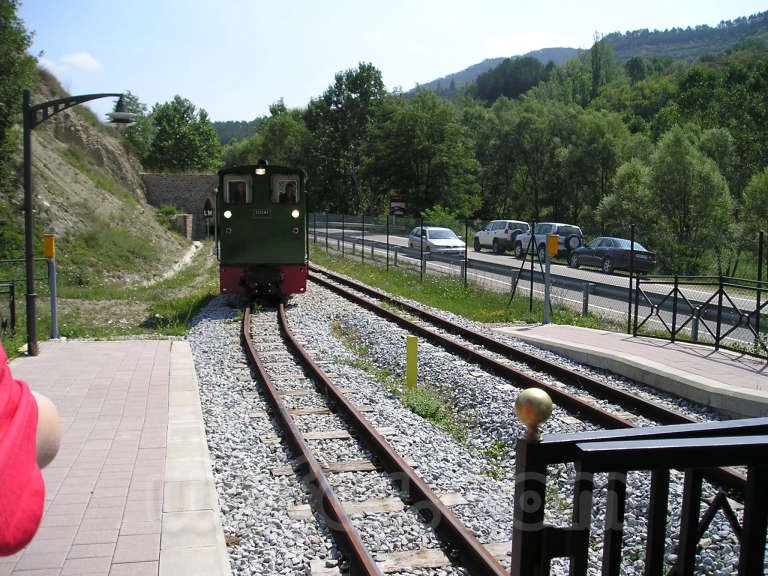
(261, 230)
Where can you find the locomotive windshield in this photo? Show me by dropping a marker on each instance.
(285, 189)
(236, 190)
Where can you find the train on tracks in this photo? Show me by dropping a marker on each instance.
(261, 229)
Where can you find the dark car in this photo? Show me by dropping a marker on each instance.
(612, 254)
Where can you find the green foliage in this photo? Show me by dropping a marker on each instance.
(511, 78)
(496, 453)
(339, 122)
(692, 202)
(420, 149)
(184, 139)
(141, 133)
(16, 74)
(232, 131)
(172, 316)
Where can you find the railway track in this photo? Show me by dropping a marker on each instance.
(306, 390)
(485, 351)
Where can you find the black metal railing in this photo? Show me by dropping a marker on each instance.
(719, 310)
(692, 448)
(8, 319)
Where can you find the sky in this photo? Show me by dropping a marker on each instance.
(233, 58)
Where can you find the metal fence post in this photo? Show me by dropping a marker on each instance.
(466, 248)
(342, 235)
(54, 308)
(674, 311)
(759, 280)
(362, 241)
(585, 292)
(695, 324)
(395, 260)
(719, 310)
(326, 232)
(631, 273)
(421, 249)
(387, 243)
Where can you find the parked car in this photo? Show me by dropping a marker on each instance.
(569, 237)
(500, 235)
(436, 239)
(612, 254)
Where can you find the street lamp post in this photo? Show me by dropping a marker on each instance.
(32, 116)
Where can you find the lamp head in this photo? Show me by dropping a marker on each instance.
(121, 117)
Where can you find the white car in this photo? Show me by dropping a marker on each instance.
(436, 239)
(500, 235)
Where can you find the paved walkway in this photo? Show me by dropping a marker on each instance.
(735, 384)
(131, 490)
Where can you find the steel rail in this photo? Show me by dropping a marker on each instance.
(465, 548)
(324, 500)
(656, 412)
(725, 477)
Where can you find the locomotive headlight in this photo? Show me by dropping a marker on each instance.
(295, 213)
(227, 214)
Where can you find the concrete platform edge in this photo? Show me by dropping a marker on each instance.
(729, 400)
(192, 540)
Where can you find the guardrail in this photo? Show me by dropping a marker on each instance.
(688, 447)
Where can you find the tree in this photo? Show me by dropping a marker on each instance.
(420, 149)
(754, 207)
(630, 203)
(141, 133)
(184, 138)
(339, 123)
(16, 73)
(284, 137)
(635, 68)
(692, 200)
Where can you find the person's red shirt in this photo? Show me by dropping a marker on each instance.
(22, 492)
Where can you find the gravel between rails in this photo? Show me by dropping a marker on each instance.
(254, 502)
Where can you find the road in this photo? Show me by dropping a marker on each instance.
(605, 294)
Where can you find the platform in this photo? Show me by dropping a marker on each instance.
(131, 491)
(728, 382)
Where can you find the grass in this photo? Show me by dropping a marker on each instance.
(160, 309)
(495, 454)
(472, 301)
(426, 401)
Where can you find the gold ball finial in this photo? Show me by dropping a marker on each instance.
(533, 406)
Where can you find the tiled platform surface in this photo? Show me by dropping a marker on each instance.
(732, 383)
(131, 491)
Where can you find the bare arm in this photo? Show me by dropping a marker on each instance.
(48, 430)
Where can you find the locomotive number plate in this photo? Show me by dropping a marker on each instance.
(261, 213)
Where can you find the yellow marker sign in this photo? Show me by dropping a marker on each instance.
(412, 362)
(49, 246)
(552, 244)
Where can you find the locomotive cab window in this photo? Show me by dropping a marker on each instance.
(237, 190)
(285, 189)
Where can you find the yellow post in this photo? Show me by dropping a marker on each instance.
(412, 362)
(49, 246)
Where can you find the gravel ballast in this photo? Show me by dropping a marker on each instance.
(254, 502)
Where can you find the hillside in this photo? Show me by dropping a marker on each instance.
(686, 44)
(467, 76)
(87, 191)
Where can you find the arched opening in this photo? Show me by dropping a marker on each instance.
(208, 217)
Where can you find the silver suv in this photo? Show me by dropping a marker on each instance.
(500, 235)
(569, 237)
